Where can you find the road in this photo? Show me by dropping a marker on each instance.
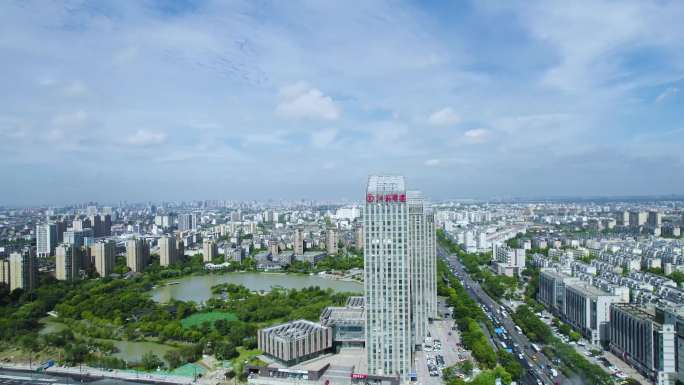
(87, 375)
(16, 377)
(524, 345)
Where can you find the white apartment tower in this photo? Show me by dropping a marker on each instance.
(209, 250)
(399, 274)
(298, 241)
(104, 253)
(67, 262)
(331, 241)
(167, 251)
(46, 239)
(137, 254)
(22, 270)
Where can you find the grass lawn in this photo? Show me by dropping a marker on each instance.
(238, 362)
(198, 318)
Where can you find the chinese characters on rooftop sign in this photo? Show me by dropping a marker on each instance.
(387, 198)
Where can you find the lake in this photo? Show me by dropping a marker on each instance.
(198, 288)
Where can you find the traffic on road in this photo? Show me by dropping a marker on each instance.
(539, 369)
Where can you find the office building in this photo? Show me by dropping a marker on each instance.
(587, 309)
(387, 277)
(67, 262)
(137, 255)
(347, 322)
(22, 270)
(209, 250)
(644, 342)
(104, 254)
(97, 226)
(298, 242)
(167, 251)
(295, 341)
(552, 290)
(422, 254)
(46, 239)
(331, 241)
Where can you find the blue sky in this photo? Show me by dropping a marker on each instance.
(128, 100)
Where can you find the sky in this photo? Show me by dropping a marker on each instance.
(182, 100)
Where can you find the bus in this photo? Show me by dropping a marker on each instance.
(535, 347)
(517, 328)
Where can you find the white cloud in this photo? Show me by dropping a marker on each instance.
(300, 100)
(478, 135)
(668, 93)
(146, 138)
(323, 138)
(432, 162)
(72, 119)
(444, 117)
(75, 89)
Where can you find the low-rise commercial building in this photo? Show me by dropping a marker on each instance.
(295, 341)
(347, 322)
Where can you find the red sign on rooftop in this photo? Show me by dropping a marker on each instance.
(387, 198)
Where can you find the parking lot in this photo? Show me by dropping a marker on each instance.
(447, 347)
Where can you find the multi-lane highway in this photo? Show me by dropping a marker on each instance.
(536, 368)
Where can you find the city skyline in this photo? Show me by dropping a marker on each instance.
(199, 99)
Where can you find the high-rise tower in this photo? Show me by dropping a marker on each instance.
(399, 274)
(387, 273)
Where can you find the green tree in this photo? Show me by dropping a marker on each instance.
(151, 361)
(174, 358)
